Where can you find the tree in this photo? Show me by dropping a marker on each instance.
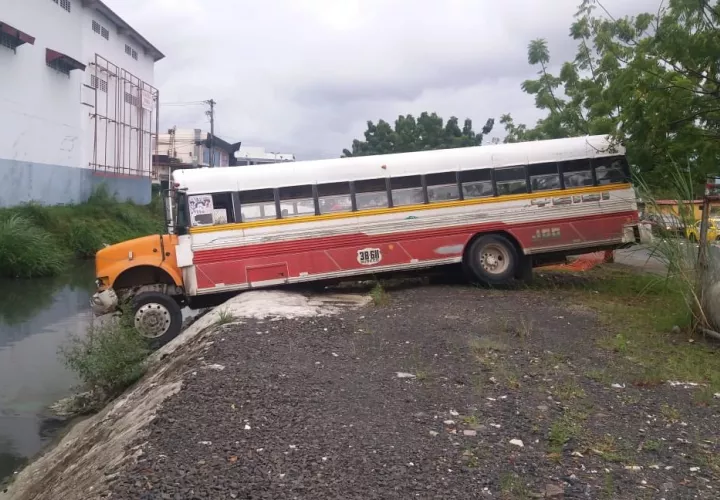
(651, 81)
(426, 133)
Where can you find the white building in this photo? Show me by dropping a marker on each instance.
(250, 155)
(77, 102)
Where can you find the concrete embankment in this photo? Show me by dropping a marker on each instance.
(96, 450)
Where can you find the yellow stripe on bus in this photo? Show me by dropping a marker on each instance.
(409, 208)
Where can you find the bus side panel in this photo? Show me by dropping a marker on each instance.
(557, 234)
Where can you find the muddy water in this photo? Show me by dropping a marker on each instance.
(36, 316)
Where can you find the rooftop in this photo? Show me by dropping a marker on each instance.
(124, 27)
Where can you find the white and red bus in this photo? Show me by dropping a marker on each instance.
(498, 209)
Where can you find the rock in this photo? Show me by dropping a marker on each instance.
(517, 442)
(454, 413)
(469, 433)
(433, 433)
(543, 408)
(449, 422)
(216, 367)
(554, 491)
(405, 375)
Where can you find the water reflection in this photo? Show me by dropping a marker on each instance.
(35, 318)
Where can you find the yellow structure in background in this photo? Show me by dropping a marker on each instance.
(692, 208)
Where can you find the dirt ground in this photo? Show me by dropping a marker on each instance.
(444, 391)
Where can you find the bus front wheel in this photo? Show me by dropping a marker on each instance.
(493, 260)
(157, 317)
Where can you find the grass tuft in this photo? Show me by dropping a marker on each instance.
(109, 358)
(379, 295)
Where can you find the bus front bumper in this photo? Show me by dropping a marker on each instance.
(104, 302)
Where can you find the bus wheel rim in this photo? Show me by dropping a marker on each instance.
(152, 320)
(494, 259)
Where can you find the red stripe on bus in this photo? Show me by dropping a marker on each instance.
(326, 255)
(359, 239)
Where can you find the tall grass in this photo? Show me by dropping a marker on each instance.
(38, 240)
(677, 254)
(27, 250)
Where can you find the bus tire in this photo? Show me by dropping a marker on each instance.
(157, 317)
(493, 260)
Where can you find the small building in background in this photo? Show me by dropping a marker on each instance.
(77, 101)
(253, 155)
(190, 148)
(691, 209)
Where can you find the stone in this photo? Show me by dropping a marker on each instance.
(554, 491)
(469, 433)
(517, 442)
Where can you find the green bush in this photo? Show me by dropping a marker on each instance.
(109, 358)
(38, 240)
(27, 250)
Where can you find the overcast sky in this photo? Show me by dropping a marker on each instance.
(304, 76)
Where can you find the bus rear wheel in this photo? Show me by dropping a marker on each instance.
(157, 317)
(493, 260)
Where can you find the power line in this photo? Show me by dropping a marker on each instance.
(188, 103)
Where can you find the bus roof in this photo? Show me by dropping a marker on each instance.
(241, 178)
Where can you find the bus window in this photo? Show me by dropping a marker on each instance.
(577, 173)
(334, 197)
(407, 190)
(442, 187)
(257, 204)
(210, 209)
(510, 180)
(296, 201)
(611, 170)
(544, 176)
(371, 193)
(476, 183)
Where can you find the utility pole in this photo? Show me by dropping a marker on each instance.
(211, 114)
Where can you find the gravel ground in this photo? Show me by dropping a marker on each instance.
(441, 392)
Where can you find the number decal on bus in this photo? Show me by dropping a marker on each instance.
(369, 256)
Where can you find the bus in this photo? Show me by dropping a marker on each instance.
(499, 210)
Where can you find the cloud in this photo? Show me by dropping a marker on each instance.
(305, 76)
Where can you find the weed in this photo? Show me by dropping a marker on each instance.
(512, 487)
(562, 430)
(109, 358)
(470, 420)
(608, 449)
(569, 390)
(608, 491)
(421, 375)
(704, 396)
(379, 295)
(482, 346)
(651, 445)
(225, 317)
(599, 375)
(670, 413)
(525, 329)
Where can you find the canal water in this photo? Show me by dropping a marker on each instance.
(36, 317)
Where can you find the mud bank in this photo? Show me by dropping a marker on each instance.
(96, 450)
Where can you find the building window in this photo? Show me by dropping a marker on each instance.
(100, 30)
(128, 49)
(98, 83)
(7, 40)
(65, 4)
(134, 54)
